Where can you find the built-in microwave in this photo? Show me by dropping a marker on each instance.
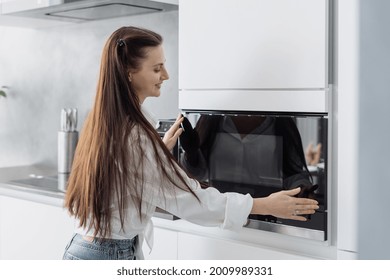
(259, 154)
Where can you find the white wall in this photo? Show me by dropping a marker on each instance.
(52, 68)
(374, 130)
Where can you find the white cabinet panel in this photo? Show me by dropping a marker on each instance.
(348, 122)
(165, 245)
(33, 231)
(194, 247)
(253, 44)
(255, 100)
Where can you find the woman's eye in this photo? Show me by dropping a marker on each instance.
(157, 70)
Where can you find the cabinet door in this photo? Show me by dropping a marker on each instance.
(33, 231)
(348, 127)
(165, 245)
(194, 247)
(253, 44)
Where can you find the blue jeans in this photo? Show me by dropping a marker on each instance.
(100, 249)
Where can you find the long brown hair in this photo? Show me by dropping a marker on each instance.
(104, 159)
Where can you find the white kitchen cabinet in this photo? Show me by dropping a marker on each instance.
(348, 123)
(196, 247)
(253, 44)
(165, 245)
(33, 231)
(236, 50)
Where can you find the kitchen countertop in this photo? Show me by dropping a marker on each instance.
(39, 183)
(14, 183)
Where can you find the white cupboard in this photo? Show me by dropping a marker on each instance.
(33, 231)
(173, 245)
(195, 247)
(183, 240)
(240, 50)
(348, 123)
(165, 245)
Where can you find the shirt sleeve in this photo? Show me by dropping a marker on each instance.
(208, 208)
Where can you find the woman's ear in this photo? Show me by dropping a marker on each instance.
(130, 76)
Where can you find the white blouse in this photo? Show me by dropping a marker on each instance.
(227, 210)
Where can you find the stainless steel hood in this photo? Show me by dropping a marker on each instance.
(84, 10)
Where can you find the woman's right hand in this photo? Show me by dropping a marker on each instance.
(284, 205)
(173, 133)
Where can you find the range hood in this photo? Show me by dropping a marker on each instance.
(84, 10)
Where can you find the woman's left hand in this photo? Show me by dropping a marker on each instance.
(170, 137)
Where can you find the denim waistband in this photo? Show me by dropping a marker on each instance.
(100, 249)
(107, 242)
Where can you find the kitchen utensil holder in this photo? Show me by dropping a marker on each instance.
(67, 141)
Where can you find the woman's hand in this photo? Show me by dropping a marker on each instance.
(170, 137)
(284, 205)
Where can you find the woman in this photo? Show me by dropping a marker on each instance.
(122, 169)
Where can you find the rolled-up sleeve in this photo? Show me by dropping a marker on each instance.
(225, 210)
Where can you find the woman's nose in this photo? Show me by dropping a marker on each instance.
(165, 75)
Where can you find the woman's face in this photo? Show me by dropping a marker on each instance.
(148, 79)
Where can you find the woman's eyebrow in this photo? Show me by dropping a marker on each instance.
(160, 63)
